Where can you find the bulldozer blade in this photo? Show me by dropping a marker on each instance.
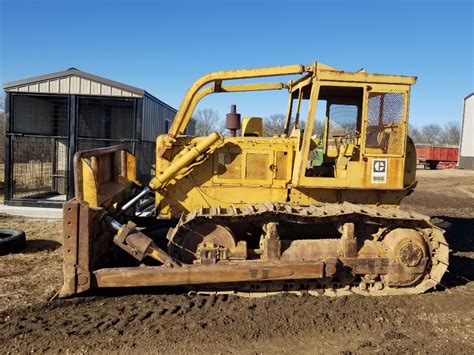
(87, 246)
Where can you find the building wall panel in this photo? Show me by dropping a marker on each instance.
(44, 86)
(105, 90)
(116, 92)
(155, 115)
(466, 163)
(95, 88)
(466, 160)
(467, 148)
(33, 88)
(54, 86)
(64, 85)
(73, 85)
(84, 86)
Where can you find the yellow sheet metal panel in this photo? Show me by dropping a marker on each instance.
(240, 171)
(252, 126)
(260, 169)
(310, 196)
(229, 165)
(257, 166)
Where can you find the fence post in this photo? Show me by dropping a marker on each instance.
(72, 144)
(8, 183)
(138, 137)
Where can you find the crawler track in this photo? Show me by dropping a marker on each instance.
(385, 218)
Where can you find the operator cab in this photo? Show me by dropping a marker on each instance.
(335, 138)
(336, 130)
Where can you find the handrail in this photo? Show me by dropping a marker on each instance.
(193, 96)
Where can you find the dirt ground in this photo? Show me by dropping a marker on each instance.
(156, 321)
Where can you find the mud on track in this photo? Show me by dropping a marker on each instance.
(151, 321)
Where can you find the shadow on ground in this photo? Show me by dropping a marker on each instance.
(460, 237)
(38, 245)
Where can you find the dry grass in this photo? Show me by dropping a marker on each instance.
(35, 274)
(32, 175)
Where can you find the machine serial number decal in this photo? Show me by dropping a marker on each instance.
(379, 171)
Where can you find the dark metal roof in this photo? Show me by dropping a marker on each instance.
(73, 72)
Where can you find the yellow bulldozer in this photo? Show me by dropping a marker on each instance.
(313, 208)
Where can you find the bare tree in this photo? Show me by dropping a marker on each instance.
(431, 133)
(2, 102)
(415, 134)
(451, 133)
(318, 129)
(207, 121)
(274, 124)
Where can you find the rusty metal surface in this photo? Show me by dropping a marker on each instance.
(87, 246)
(202, 274)
(86, 243)
(397, 252)
(76, 247)
(270, 244)
(232, 121)
(205, 233)
(70, 245)
(139, 245)
(309, 249)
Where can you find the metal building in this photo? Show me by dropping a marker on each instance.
(466, 153)
(50, 117)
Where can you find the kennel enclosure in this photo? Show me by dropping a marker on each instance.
(51, 117)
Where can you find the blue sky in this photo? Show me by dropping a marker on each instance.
(163, 46)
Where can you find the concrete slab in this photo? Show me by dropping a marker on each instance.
(32, 212)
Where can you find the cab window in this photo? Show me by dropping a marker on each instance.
(336, 130)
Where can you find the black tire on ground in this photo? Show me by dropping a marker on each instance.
(11, 241)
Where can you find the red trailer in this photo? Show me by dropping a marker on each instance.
(437, 156)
